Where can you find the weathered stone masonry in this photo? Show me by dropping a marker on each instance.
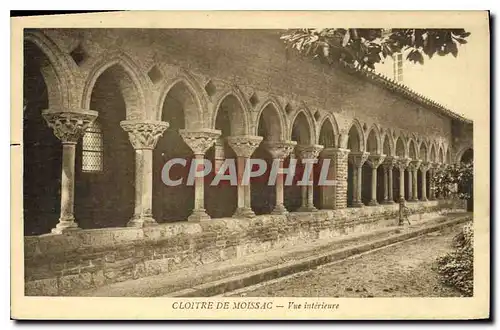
(141, 97)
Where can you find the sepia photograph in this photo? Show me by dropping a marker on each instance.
(250, 170)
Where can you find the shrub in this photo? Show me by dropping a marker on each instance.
(457, 267)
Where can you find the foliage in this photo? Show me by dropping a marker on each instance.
(454, 180)
(457, 267)
(366, 47)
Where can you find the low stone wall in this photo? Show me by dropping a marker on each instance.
(63, 264)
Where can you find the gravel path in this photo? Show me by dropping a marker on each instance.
(402, 270)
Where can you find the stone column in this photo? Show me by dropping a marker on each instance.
(402, 165)
(68, 126)
(424, 167)
(414, 165)
(389, 163)
(308, 154)
(374, 161)
(243, 146)
(280, 150)
(327, 193)
(199, 141)
(143, 135)
(357, 159)
(432, 191)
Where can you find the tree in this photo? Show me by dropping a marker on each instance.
(366, 47)
(455, 180)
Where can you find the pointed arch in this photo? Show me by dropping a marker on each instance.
(373, 144)
(273, 117)
(128, 76)
(412, 149)
(328, 132)
(441, 154)
(423, 151)
(356, 138)
(400, 149)
(303, 128)
(57, 74)
(238, 112)
(432, 152)
(387, 144)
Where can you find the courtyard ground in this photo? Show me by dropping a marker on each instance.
(406, 269)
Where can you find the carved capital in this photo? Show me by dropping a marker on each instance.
(424, 166)
(144, 134)
(390, 162)
(403, 163)
(308, 151)
(375, 160)
(414, 164)
(358, 158)
(335, 152)
(244, 145)
(199, 140)
(280, 149)
(69, 125)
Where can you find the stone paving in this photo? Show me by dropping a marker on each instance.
(402, 270)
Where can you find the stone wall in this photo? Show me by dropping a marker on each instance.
(64, 264)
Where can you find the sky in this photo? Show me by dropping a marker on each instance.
(456, 83)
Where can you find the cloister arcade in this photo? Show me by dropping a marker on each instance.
(96, 155)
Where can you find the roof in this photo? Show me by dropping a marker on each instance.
(400, 88)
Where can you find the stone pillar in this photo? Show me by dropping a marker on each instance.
(374, 161)
(357, 159)
(402, 165)
(327, 193)
(280, 150)
(143, 135)
(414, 165)
(199, 141)
(68, 126)
(243, 146)
(219, 155)
(432, 191)
(308, 154)
(424, 167)
(389, 163)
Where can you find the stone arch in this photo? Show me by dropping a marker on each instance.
(412, 149)
(441, 154)
(186, 93)
(302, 129)
(423, 151)
(462, 151)
(273, 122)
(129, 78)
(355, 139)
(328, 133)
(237, 108)
(56, 73)
(373, 140)
(387, 144)
(400, 149)
(432, 152)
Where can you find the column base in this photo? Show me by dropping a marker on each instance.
(424, 199)
(199, 215)
(244, 212)
(144, 221)
(388, 202)
(279, 210)
(65, 226)
(358, 204)
(307, 209)
(373, 203)
(413, 200)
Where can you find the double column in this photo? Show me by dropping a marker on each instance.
(244, 146)
(199, 141)
(413, 168)
(68, 126)
(143, 135)
(374, 161)
(279, 150)
(308, 155)
(388, 165)
(402, 164)
(357, 159)
(424, 167)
